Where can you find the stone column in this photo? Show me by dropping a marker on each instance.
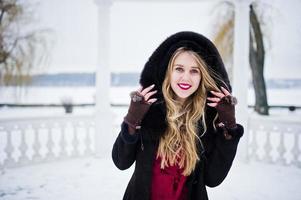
(240, 69)
(103, 114)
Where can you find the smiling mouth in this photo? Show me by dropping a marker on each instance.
(184, 86)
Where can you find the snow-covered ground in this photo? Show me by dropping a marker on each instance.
(98, 178)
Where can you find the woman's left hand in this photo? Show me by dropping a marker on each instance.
(224, 103)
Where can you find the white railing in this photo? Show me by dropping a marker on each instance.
(273, 140)
(41, 139)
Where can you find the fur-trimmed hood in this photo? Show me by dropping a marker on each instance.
(155, 69)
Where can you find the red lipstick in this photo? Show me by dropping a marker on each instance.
(184, 86)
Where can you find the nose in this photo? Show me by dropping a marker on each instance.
(186, 76)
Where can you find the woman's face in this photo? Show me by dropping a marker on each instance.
(185, 76)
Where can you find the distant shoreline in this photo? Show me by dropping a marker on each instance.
(120, 79)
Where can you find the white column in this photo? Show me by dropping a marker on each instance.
(240, 69)
(103, 115)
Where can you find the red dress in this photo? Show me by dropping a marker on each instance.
(168, 183)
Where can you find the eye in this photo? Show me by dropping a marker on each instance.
(195, 71)
(179, 69)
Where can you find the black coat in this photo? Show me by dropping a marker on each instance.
(215, 152)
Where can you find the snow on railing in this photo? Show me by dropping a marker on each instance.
(274, 140)
(41, 139)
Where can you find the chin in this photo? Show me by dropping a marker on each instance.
(183, 97)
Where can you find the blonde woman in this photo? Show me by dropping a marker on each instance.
(180, 129)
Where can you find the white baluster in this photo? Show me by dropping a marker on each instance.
(254, 146)
(281, 150)
(23, 147)
(50, 144)
(88, 150)
(249, 143)
(296, 150)
(36, 145)
(75, 142)
(92, 134)
(267, 149)
(2, 132)
(9, 149)
(63, 144)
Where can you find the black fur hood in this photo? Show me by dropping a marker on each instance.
(155, 69)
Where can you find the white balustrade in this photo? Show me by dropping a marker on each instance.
(43, 139)
(274, 140)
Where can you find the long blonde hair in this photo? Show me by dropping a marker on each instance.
(179, 143)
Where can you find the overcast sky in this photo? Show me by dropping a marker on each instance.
(138, 28)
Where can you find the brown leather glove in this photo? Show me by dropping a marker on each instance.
(138, 108)
(226, 111)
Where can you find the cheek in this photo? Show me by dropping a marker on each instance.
(174, 78)
(173, 82)
(197, 80)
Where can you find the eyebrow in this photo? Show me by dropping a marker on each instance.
(180, 65)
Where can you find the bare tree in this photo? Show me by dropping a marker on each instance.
(224, 38)
(20, 48)
(256, 58)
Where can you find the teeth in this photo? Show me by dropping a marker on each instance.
(184, 86)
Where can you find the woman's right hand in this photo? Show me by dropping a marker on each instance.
(140, 103)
